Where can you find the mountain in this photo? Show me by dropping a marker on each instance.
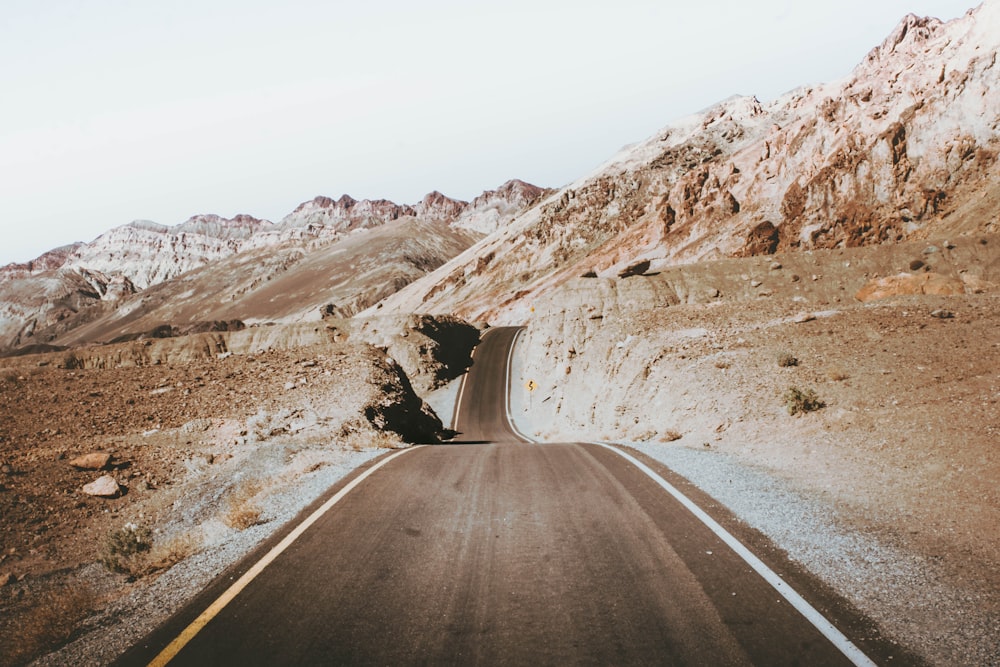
(904, 147)
(344, 255)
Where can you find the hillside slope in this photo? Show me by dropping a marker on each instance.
(905, 147)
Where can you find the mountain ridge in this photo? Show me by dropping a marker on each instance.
(903, 147)
(78, 284)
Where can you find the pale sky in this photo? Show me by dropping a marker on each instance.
(116, 110)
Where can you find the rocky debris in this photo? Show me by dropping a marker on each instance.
(909, 283)
(104, 486)
(942, 314)
(802, 318)
(6, 578)
(92, 461)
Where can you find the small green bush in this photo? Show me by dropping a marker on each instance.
(802, 400)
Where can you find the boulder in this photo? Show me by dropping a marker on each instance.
(92, 461)
(105, 486)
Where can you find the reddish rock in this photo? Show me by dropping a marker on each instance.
(92, 461)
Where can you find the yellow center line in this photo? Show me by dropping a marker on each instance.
(172, 649)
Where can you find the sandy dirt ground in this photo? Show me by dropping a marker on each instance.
(887, 490)
(204, 451)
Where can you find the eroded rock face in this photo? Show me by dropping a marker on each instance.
(146, 253)
(494, 209)
(903, 148)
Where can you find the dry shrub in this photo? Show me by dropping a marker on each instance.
(722, 364)
(126, 548)
(242, 510)
(671, 436)
(802, 400)
(360, 441)
(837, 375)
(164, 556)
(130, 550)
(47, 625)
(787, 360)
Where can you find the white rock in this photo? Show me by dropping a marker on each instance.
(103, 487)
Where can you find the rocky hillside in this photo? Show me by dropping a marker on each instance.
(905, 147)
(345, 254)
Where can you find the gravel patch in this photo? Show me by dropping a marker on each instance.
(132, 616)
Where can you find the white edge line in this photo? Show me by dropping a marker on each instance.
(510, 370)
(186, 635)
(458, 402)
(820, 622)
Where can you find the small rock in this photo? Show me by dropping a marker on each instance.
(942, 314)
(6, 579)
(103, 487)
(92, 461)
(795, 278)
(930, 250)
(290, 386)
(916, 265)
(713, 293)
(7, 469)
(775, 266)
(802, 318)
(755, 283)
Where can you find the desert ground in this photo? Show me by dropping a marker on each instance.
(884, 486)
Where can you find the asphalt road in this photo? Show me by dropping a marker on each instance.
(499, 551)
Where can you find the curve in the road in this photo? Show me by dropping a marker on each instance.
(493, 550)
